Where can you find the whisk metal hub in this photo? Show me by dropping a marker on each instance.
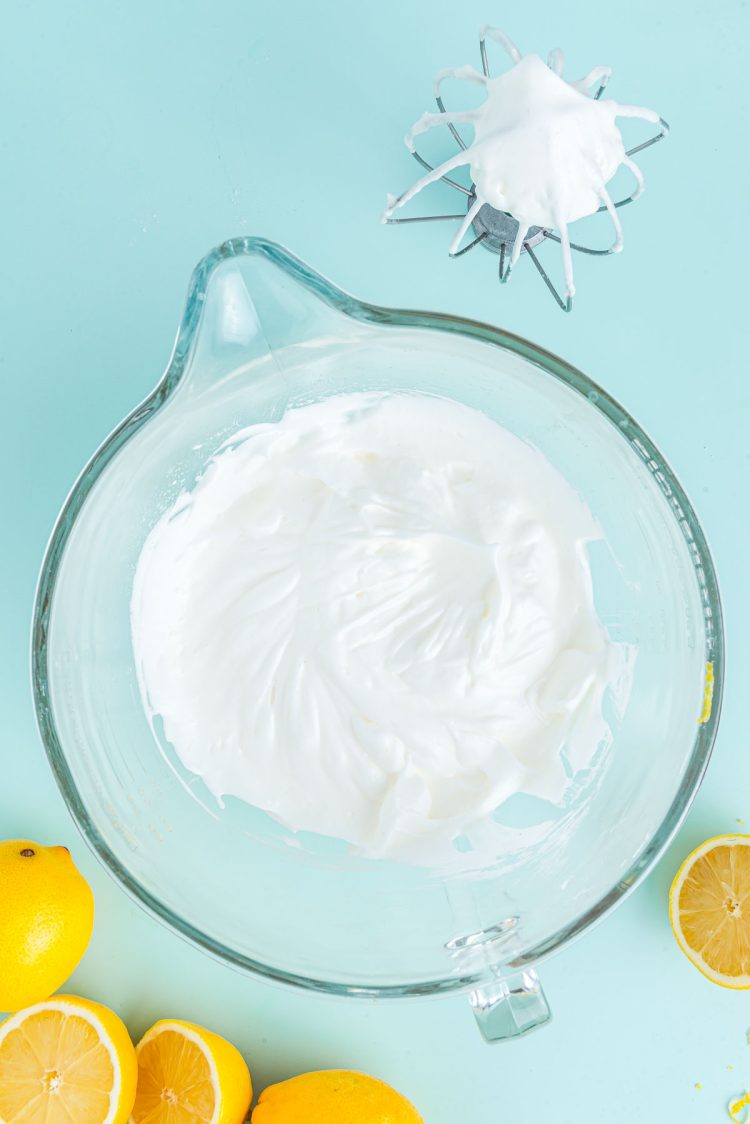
(498, 230)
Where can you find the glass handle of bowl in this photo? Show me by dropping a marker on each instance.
(510, 1006)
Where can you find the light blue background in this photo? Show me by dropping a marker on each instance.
(133, 137)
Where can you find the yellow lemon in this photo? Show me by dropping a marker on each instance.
(334, 1096)
(64, 1060)
(46, 919)
(187, 1075)
(709, 908)
(738, 1107)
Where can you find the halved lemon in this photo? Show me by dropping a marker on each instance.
(709, 908)
(66, 1059)
(187, 1075)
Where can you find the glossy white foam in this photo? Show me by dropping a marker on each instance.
(375, 621)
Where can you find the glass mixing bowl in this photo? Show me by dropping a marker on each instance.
(262, 331)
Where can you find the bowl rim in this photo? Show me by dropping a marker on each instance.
(559, 369)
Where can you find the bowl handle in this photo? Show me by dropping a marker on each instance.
(510, 1006)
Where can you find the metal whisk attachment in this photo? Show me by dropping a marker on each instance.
(496, 230)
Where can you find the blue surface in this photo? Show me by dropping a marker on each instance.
(133, 138)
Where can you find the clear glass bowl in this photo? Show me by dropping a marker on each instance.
(261, 331)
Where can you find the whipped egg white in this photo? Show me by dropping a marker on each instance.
(374, 620)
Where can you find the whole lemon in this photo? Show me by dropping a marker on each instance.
(46, 918)
(334, 1096)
